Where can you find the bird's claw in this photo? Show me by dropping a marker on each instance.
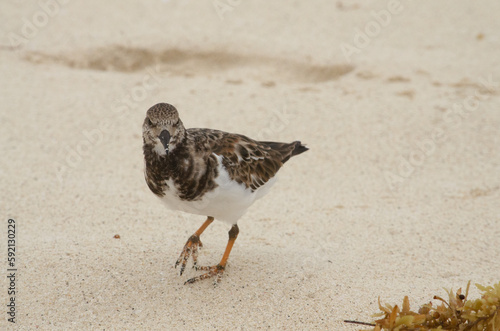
(213, 271)
(190, 249)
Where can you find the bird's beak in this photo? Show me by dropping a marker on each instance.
(165, 139)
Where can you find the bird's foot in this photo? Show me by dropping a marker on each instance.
(213, 271)
(190, 249)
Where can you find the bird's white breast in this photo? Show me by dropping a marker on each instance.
(227, 202)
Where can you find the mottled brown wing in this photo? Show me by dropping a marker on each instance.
(248, 161)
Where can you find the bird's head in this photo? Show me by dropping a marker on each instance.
(162, 128)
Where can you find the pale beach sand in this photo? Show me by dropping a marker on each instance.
(399, 194)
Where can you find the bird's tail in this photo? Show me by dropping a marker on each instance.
(285, 149)
(299, 148)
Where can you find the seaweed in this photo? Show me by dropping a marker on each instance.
(457, 313)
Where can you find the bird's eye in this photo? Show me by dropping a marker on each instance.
(148, 121)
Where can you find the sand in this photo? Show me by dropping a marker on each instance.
(399, 194)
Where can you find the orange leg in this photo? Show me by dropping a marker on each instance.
(192, 245)
(218, 270)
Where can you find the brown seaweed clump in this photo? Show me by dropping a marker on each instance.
(457, 313)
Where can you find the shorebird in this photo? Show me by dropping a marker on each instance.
(208, 172)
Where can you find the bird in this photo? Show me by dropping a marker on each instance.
(208, 172)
